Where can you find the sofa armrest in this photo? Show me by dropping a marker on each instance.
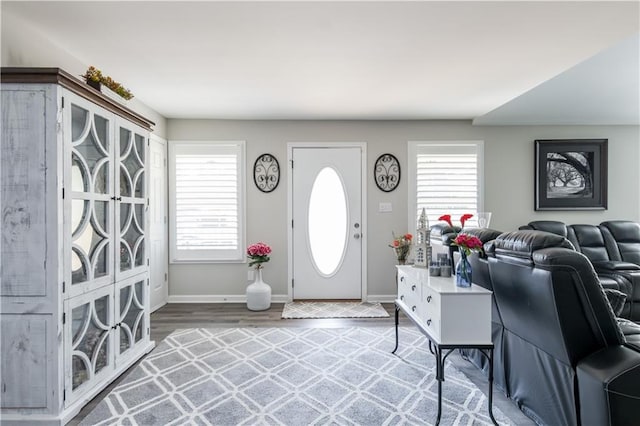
(616, 299)
(614, 265)
(608, 386)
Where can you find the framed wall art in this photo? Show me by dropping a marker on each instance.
(386, 172)
(571, 174)
(266, 172)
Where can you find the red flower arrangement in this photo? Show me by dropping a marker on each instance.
(468, 243)
(463, 218)
(402, 246)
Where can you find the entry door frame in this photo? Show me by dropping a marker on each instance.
(159, 263)
(363, 200)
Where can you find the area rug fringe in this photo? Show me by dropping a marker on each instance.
(301, 310)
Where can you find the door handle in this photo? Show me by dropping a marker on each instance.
(356, 236)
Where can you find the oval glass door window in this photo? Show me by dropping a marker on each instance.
(327, 221)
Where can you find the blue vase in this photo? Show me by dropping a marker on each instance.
(463, 271)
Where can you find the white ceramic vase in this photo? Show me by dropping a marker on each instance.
(258, 294)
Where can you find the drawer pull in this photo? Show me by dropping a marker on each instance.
(413, 287)
(401, 279)
(402, 297)
(429, 321)
(413, 308)
(428, 299)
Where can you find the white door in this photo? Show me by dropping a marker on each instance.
(327, 226)
(158, 264)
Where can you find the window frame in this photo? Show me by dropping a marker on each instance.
(208, 256)
(412, 153)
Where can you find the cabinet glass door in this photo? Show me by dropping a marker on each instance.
(89, 178)
(132, 316)
(88, 340)
(131, 211)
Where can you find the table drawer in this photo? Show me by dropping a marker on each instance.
(407, 287)
(431, 298)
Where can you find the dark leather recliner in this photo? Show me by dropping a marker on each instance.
(623, 243)
(566, 359)
(600, 245)
(481, 277)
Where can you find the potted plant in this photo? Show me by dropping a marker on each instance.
(94, 78)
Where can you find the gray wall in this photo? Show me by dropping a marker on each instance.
(24, 46)
(508, 171)
(509, 175)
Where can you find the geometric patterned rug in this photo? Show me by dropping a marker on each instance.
(333, 310)
(291, 376)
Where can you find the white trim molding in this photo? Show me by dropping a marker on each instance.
(220, 298)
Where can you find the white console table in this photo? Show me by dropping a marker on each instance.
(450, 317)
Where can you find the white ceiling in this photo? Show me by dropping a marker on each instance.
(359, 60)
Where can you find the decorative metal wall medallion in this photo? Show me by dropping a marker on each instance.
(266, 172)
(386, 172)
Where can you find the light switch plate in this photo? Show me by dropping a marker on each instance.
(385, 207)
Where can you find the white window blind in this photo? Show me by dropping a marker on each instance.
(447, 179)
(207, 201)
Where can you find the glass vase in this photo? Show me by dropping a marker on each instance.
(463, 271)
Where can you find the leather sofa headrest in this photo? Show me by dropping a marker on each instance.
(623, 231)
(553, 226)
(484, 234)
(523, 243)
(440, 229)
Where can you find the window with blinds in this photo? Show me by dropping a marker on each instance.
(207, 193)
(447, 179)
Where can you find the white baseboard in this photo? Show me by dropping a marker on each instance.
(217, 298)
(241, 298)
(382, 298)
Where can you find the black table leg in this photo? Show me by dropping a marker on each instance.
(397, 319)
(490, 401)
(440, 379)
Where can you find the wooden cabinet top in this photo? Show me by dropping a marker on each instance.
(77, 86)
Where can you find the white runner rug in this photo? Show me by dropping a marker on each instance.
(333, 310)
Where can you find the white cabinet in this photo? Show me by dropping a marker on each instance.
(452, 315)
(75, 288)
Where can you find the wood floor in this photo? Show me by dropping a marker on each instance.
(177, 316)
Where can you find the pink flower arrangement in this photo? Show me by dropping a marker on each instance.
(463, 218)
(468, 243)
(259, 254)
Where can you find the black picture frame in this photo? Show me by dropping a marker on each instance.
(571, 174)
(386, 172)
(266, 173)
